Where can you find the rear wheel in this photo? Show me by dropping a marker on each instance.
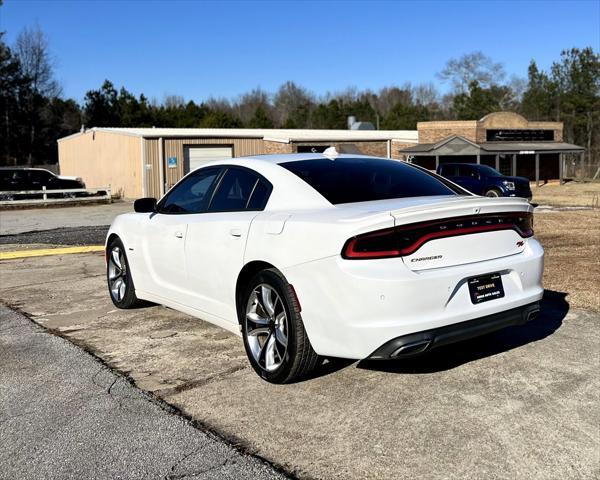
(274, 336)
(493, 192)
(118, 275)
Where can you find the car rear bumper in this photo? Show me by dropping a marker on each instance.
(421, 342)
(351, 308)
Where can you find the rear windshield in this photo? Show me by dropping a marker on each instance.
(350, 180)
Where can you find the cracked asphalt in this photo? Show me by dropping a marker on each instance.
(64, 414)
(519, 403)
(59, 236)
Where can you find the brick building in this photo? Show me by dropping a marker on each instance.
(503, 140)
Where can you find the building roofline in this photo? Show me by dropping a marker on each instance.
(274, 135)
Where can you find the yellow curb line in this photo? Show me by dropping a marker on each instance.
(49, 251)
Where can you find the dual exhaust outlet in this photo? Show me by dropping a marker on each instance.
(418, 343)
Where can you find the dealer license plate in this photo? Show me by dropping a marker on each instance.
(486, 287)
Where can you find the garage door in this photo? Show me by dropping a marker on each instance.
(199, 156)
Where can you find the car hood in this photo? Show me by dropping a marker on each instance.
(518, 180)
(68, 177)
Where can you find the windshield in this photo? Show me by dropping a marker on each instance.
(350, 180)
(489, 171)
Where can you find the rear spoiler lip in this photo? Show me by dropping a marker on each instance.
(463, 207)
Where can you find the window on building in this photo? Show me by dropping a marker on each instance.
(520, 135)
(312, 148)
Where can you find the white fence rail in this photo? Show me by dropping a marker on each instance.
(46, 196)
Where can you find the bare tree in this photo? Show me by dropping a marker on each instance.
(36, 62)
(389, 97)
(249, 102)
(293, 105)
(475, 66)
(33, 51)
(173, 101)
(425, 94)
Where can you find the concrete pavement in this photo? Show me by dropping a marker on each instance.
(19, 221)
(520, 403)
(63, 414)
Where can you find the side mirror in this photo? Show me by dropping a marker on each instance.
(145, 205)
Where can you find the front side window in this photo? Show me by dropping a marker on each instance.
(39, 177)
(192, 195)
(350, 180)
(234, 191)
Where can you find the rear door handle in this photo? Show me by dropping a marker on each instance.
(179, 234)
(235, 232)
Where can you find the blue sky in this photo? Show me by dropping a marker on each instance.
(202, 49)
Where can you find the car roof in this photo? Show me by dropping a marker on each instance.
(461, 164)
(298, 157)
(25, 168)
(291, 191)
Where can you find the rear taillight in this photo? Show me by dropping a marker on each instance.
(407, 239)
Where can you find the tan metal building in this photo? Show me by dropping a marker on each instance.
(146, 162)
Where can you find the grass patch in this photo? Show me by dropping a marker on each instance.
(577, 194)
(572, 262)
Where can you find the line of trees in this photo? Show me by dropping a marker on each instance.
(35, 113)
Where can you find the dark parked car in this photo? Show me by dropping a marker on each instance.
(484, 180)
(18, 179)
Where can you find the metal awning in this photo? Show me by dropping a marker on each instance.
(542, 147)
(467, 146)
(456, 145)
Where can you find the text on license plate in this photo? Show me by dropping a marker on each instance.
(486, 287)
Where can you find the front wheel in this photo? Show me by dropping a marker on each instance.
(493, 192)
(274, 336)
(118, 276)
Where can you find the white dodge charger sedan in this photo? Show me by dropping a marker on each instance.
(328, 255)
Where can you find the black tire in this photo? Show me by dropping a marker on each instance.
(493, 192)
(124, 296)
(299, 359)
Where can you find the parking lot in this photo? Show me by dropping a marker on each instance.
(520, 403)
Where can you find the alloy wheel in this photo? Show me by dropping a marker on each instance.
(117, 273)
(266, 327)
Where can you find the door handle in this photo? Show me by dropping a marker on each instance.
(235, 232)
(179, 234)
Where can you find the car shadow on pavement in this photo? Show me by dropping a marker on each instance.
(554, 308)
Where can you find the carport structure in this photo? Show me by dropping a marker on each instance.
(503, 140)
(509, 158)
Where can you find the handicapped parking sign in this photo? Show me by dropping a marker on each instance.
(172, 162)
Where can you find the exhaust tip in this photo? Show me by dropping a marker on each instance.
(413, 348)
(533, 315)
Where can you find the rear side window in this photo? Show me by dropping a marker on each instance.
(467, 171)
(233, 193)
(260, 196)
(350, 180)
(448, 170)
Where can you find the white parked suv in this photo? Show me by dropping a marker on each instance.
(327, 255)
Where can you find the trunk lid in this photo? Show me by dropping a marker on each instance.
(466, 212)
